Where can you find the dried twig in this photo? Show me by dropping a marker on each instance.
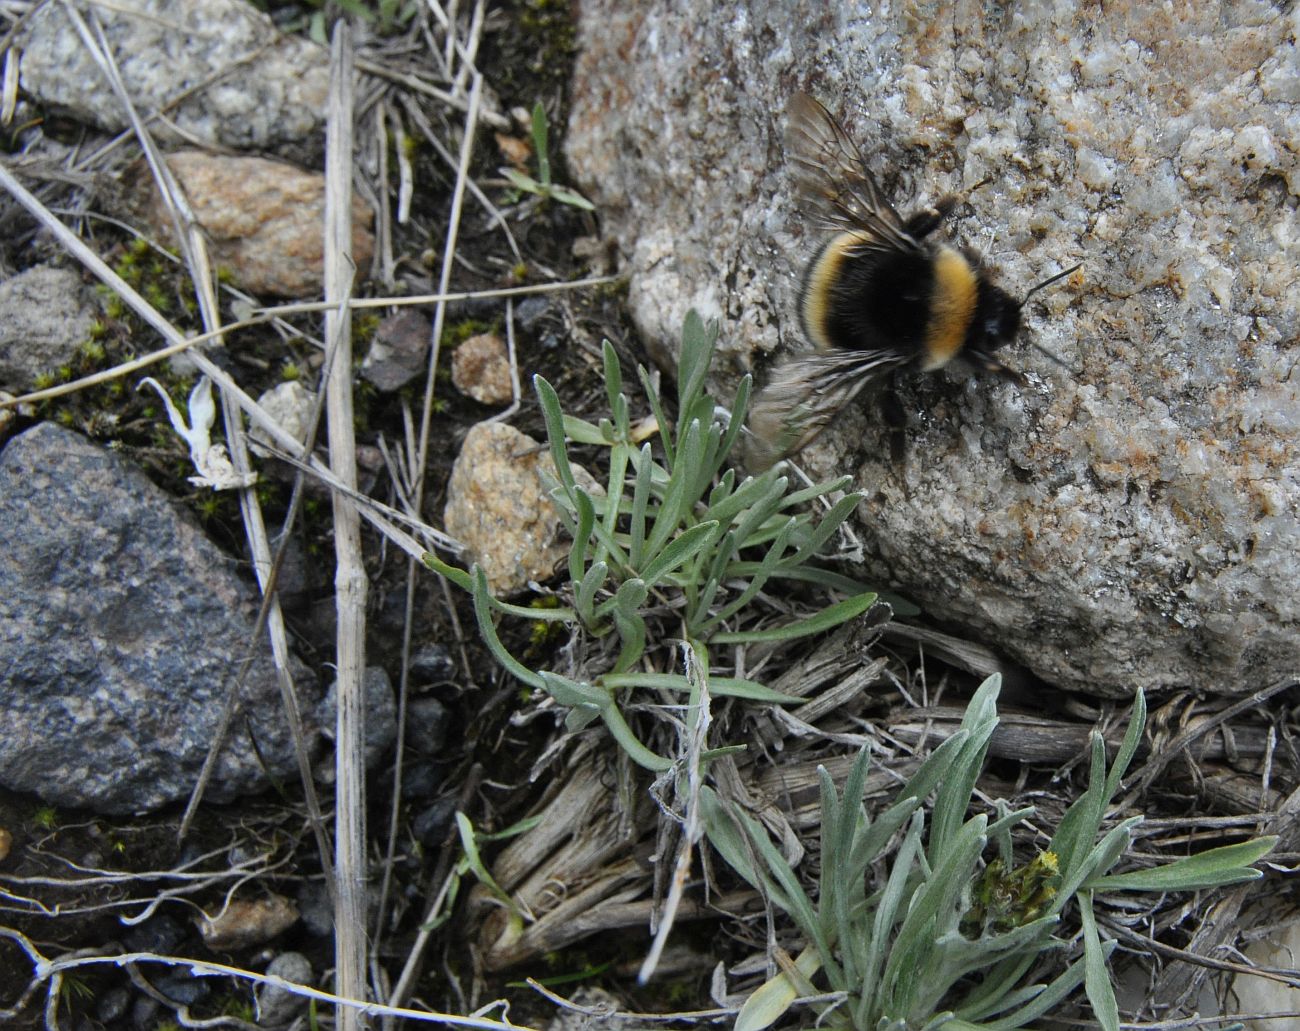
(350, 576)
(51, 970)
(698, 719)
(418, 463)
(180, 343)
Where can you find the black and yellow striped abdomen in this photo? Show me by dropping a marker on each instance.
(920, 305)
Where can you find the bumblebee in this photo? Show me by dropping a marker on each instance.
(878, 297)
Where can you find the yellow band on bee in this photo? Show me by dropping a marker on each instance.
(952, 307)
(821, 278)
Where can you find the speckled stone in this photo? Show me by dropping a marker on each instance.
(220, 69)
(1129, 524)
(122, 628)
(498, 508)
(46, 315)
(480, 368)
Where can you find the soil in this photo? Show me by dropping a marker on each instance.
(49, 897)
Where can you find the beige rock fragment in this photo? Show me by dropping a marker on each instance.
(480, 368)
(497, 506)
(248, 922)
(290, 404)
(262, 219)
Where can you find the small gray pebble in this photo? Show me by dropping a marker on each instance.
(426, 725)
(112, 1004)
(275, 1005)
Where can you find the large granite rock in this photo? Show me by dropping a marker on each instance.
(1131, 523)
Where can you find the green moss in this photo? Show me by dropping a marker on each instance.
(364, 326)
(616, 290)
(267, 492)
(545, 632)
(211, 505)
(157, 295)
(458, 332)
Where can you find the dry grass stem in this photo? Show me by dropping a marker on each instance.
(350, 582)
(181, 343)
(49, 971)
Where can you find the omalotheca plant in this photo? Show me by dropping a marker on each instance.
(941, 945)
(677, 547)
(542, 186)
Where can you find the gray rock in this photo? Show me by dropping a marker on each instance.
(276, 1006)
(427, 721)
(183, 988)
(1132, 524)
(121, 627)
(433, 664)
(317, 912)
(220, 69)
(161, 933)
(399, 352)
(45, 316)
(112, 1004)
(432, 824)
(421, 779)
(530, 310)
(381, 716)
(144, 1012)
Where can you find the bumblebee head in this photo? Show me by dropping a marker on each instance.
(997, 318)
(997, 323)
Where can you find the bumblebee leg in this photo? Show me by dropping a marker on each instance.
(895, 420)
(927, 220)
(988, 363)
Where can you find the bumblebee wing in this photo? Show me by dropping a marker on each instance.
(835, 185)
(802, 398)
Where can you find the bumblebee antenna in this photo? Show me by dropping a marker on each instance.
(1048, 282)
(1048, 354)
(1033, 290)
